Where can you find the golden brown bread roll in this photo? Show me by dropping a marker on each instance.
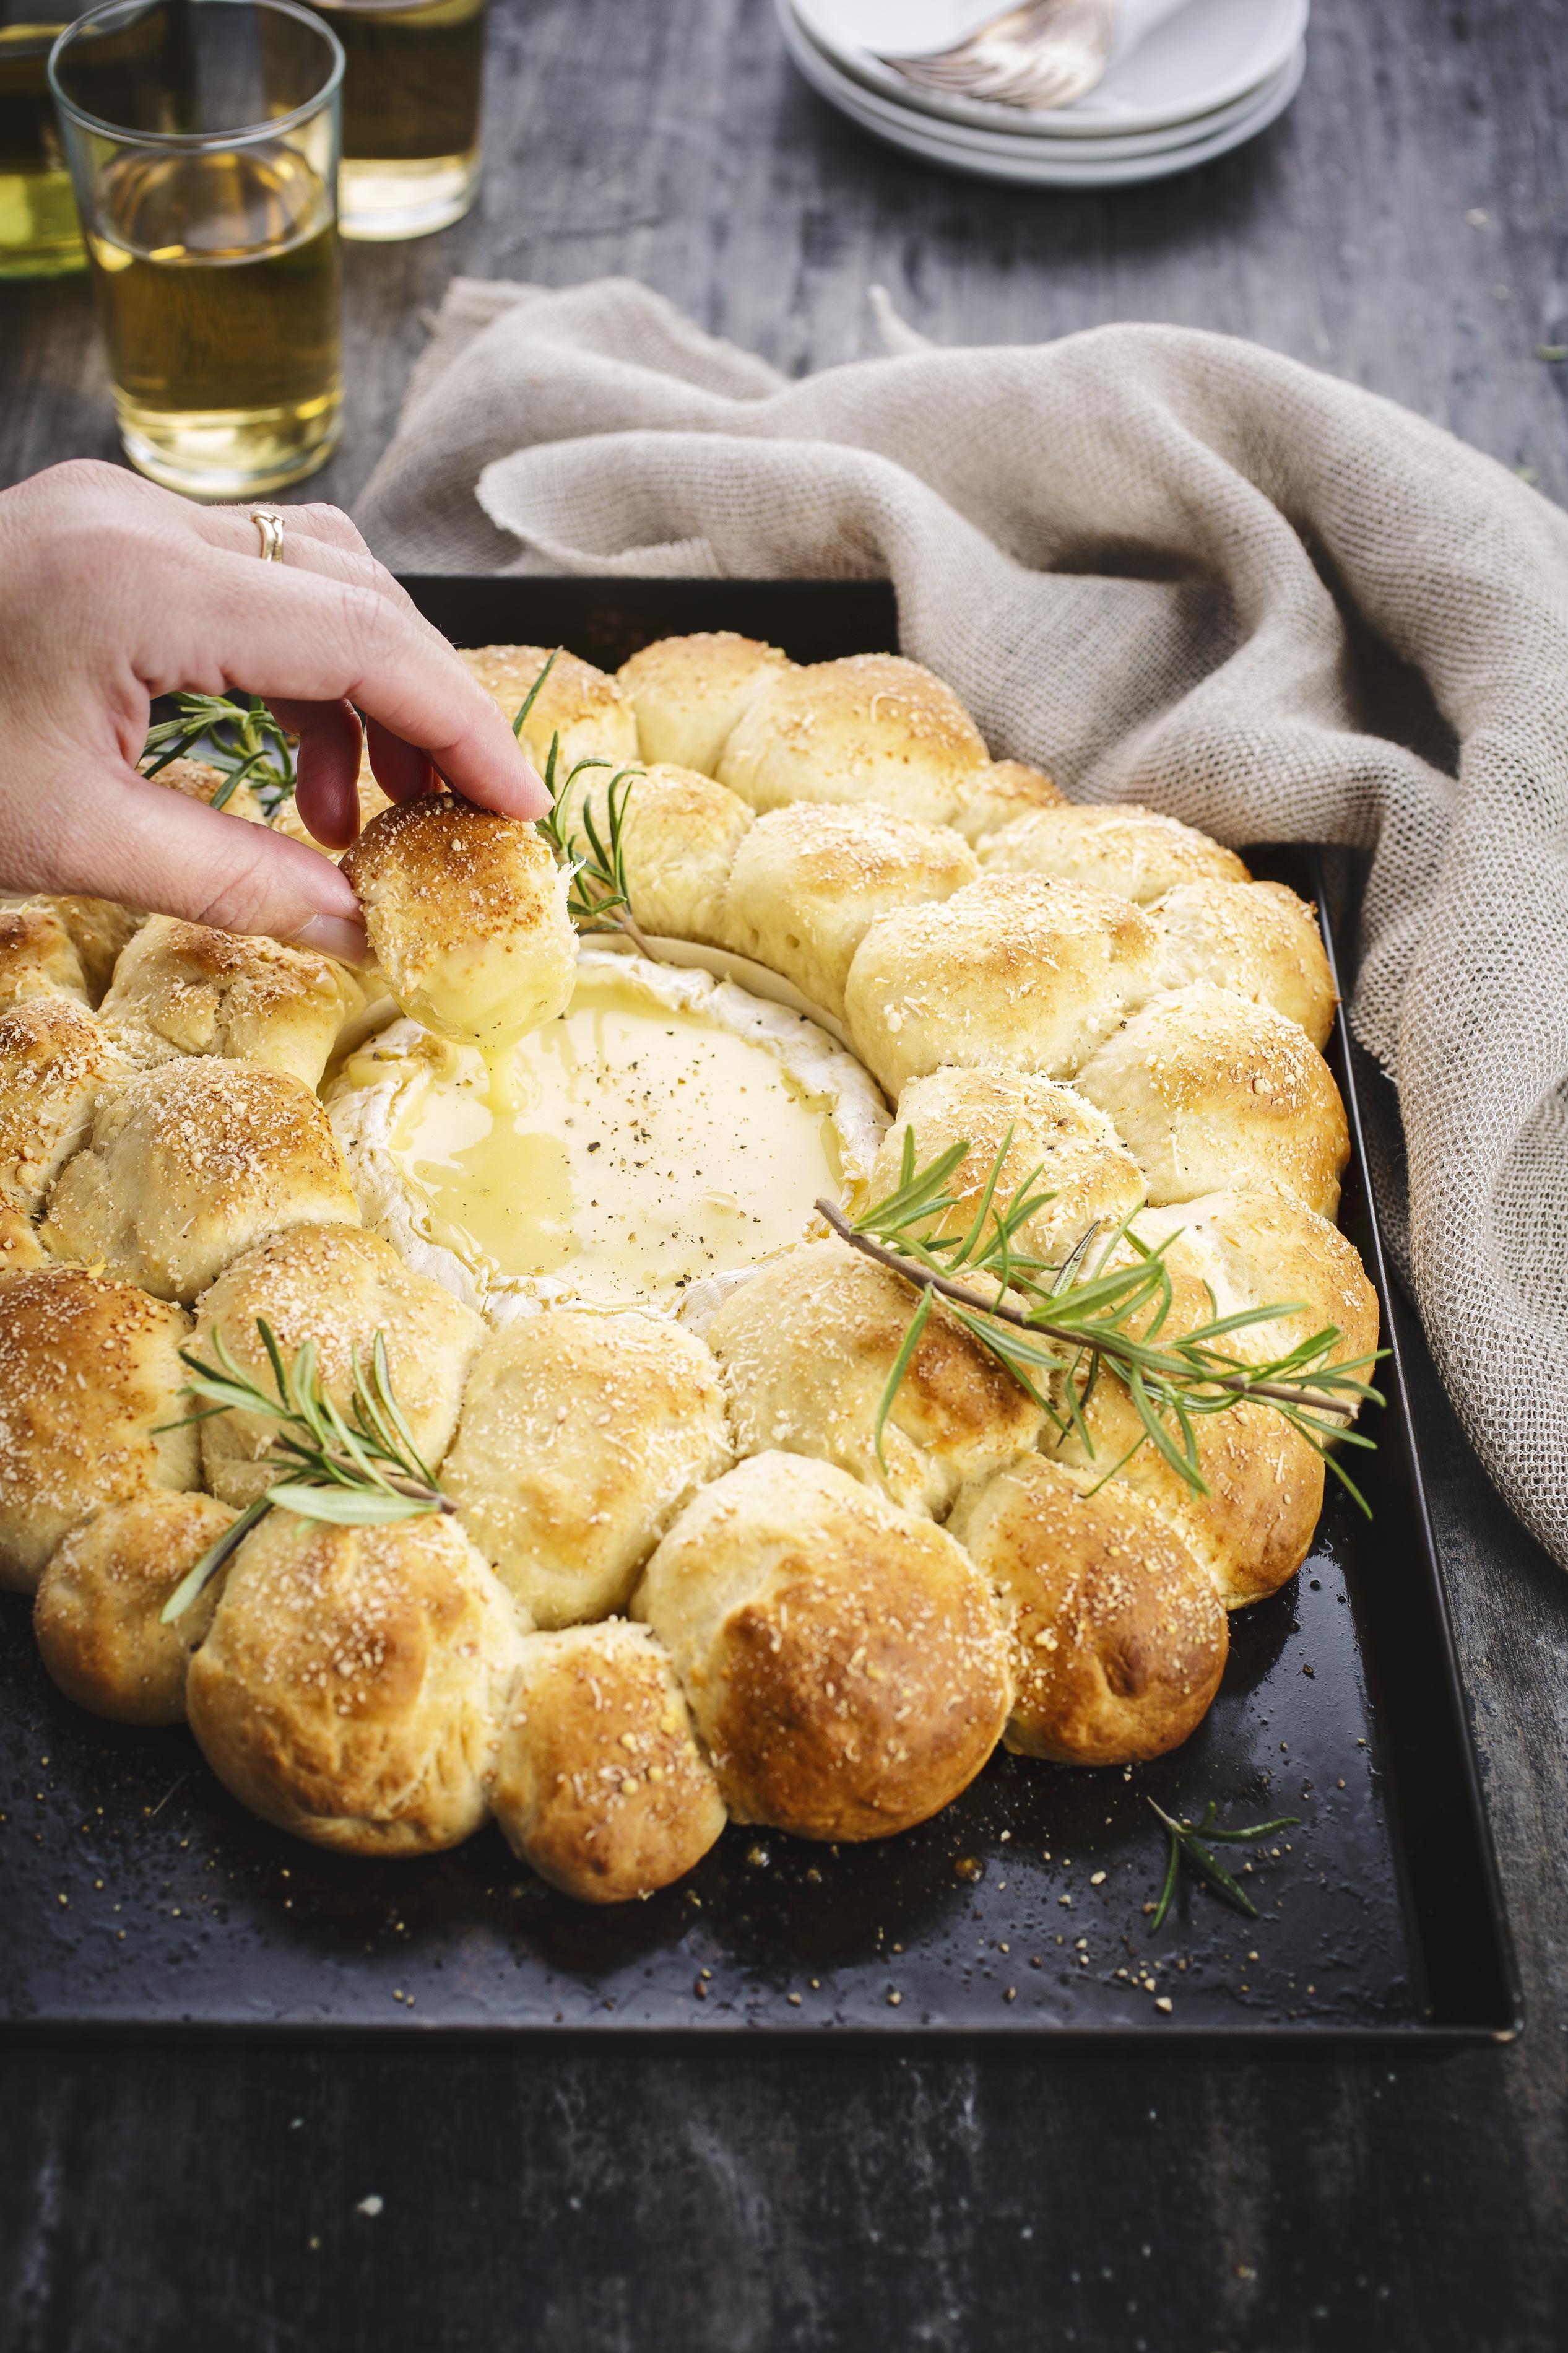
(600, 1784)
(1091, 1180)
(186, 1166)
(20, 1248)
(872, 727)
(844, 1661)
(99, 928)
(201, 782)
(286, 818)
(355, 1681)
(1015, 971)
(809, 880)
(38, 956)
(1210, 1093)
(1257, 939)
(1135, 852)
(679, 837)
(180, 988)
(89, 1372)
(1263, 1250)
(98, 1615)
(581, 1435)
(467, 916)
(689, 693)
(993, 797)
(581, 705)
(1117, 1636)
(806, 1347)
(56, 1063)
(336, 1286)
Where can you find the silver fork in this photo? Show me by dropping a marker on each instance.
(1045, 53)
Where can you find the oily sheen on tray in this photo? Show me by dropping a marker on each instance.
(686, 1579)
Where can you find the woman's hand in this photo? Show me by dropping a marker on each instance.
(112, 592)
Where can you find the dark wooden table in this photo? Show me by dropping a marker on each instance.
(1405, 226)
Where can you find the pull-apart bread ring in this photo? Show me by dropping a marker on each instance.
(844, 1661)
(873, 727)
(581, 1436)
(600, 1785)
(580, 707)
(98, 1616)
(1119, 1637)
(681, 833)
(90, 1375)
(806, 1347)
(187, 1165)
(1211, 1093)
(809, 880)
(56, 1064)
(182, 988)
(467, 916)
(1255, 938)
(335, 1287)
(1015, 971)
(1134, 852)
(690, 692)
(38, 956)
(355, 1681)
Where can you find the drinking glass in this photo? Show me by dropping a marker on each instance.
(413, 78)
(203, 141)
(40, 235)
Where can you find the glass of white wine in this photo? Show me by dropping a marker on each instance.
(39, 234)
(203, 140)
(413, 87)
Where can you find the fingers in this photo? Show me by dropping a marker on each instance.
(326, 790)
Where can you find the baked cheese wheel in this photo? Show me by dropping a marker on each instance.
(688, 693)
(56, 1064)
(872, 727)
(98, 1613)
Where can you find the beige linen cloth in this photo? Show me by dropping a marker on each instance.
(1166, 567)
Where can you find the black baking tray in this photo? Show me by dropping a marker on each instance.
(135, 1895)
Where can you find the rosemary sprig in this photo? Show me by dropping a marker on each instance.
(241, 737)
(597, 897)
(1084, 1313)
(1187, 1846)
(363, 1470)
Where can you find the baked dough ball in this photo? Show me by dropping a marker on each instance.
(689, 693)
(990, 799)
(581, 1435)
(98, 1615)
(190, 1164)
(1133, 851)
(679, 837)
(337, 1286)
(286, 818)
(1092, 1181)
(1210, 1093)
(467, 916)
(354, 1682)
(809, 880)
(582, 705)
(844, 1661)
(38, 956)
(1256, 938)
(872, 727)
(1119, 1637)
(90, 1370)
(20, 1248)
(180, 988)
(199, 782)
(1015, 971)
(1262, 1250)
(99, 928)
(600, 1785)
(55, 1064)
(806, 1347)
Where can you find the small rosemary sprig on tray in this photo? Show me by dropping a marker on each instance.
(597, 897)
(1074, 1319)
(1187, 1846)
(241, 737)
(361, 1471)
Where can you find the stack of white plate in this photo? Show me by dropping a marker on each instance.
(1188, 79)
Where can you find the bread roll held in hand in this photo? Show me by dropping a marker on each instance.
(186, 1166)
(1134, 852)
(806, 1347)
(98, 1616)
(57, 1063)
(89, 1372)
(354, 1682)
(182, 988)
(844, 1661)
(809, 880)
(38, 956)
(872, 727)
(581, 1436)
(467, 917)
(1013, 972)
(599, 1784)
(1255, 938)
(1117, 1636)
(578, 706)
(336, 1287)
(679, 834)
(690, 692)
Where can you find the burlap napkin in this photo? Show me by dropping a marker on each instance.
(1166, 567)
